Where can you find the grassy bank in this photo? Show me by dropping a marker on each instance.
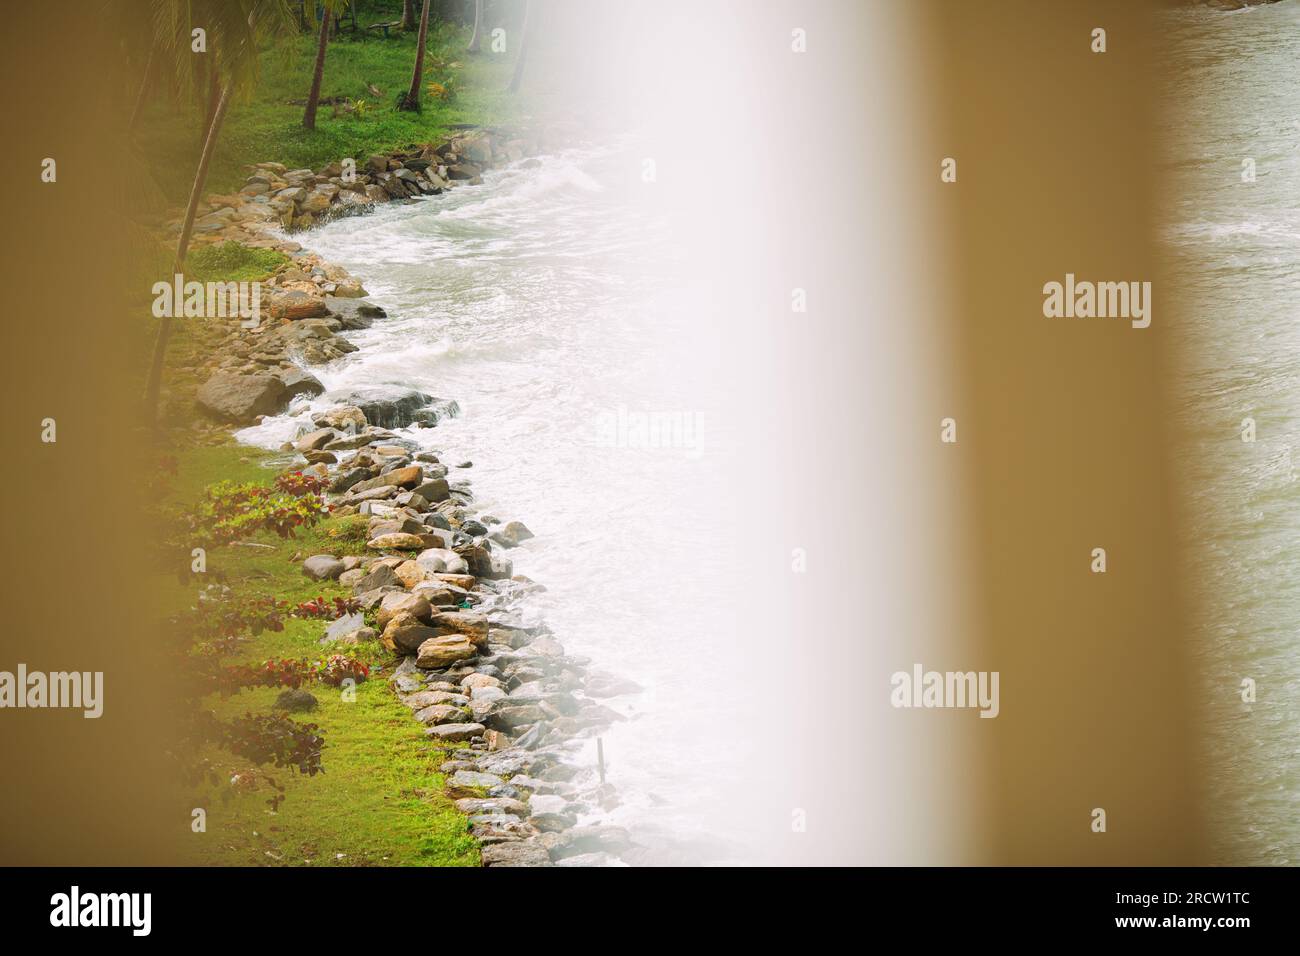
(269, 126)
(380, 800)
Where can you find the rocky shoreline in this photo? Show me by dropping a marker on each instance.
(438, 588)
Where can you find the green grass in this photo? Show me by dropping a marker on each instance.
(232, 262)
(269, 127)
(380, 800)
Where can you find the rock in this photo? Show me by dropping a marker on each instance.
(593, 839)
(407, 477)
(473, 625)
(238, 399)
(356, 313)
(404, 634)
(474, 778)
(441, 714)
(296, 700)
(483, 564)
(352, 577)
(605, 685)
(344, 625)
(411, 575)
(361, 635)
(472, 806)
(454, 733)
(396, 542)
(397, 603)
(472, 681)
(516, 853)
(297, 305)
(343, 418)
(427, 698)
(392, 412)
(440, 560)
(433, 490)
(313, 441)
(512, 534)
(588, 860)
(439, 652)
(380, 575)
(322, 567)
(297, 382)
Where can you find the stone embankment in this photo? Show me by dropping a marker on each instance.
(437, 587)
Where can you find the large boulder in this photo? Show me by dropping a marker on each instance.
(439, 652)
(404, 634)
(297, 382)
(239, 399)
(396, 603)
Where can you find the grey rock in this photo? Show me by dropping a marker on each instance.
(239, 399)
(322, 567)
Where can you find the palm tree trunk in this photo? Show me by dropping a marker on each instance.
(523, 53)
(412, 101)
(408, 15)
(474, 41)
(182, 247)
(214, 95)
(313, 98)
(140, 97)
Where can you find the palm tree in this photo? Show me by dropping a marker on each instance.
(412, 99)
(478, 27)
(523, 53)
(313, 97)
(232, 28)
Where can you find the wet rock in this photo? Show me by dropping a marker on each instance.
(344, 418)
(606, 685)
(395, 412)
(298, 382)
(512, 534)
(593, 839)
(483, 564)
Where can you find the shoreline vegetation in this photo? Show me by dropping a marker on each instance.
(364, 690)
